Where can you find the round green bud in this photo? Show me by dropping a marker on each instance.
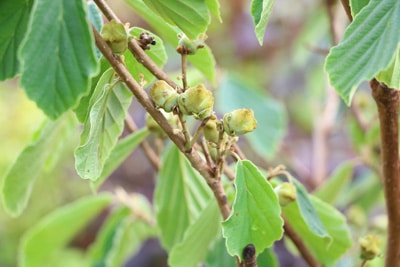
(116, 36)
(196, 101)
(286, 193)
(212, 150)
(163, 95)
(370, 246)
(239, 122)
(210, 131)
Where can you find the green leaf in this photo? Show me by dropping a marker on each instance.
(55, 230)
(181, 191)
(197, 238)
(203, 60)
(68, 257)
(334, 223)
(62, 39)
(120, 152)
(156, 53)
(14, 17)
(95, 18)
(357, 5)
(368, 46)
(270, 114)
(260, 11)
(127, 241)
(123, 233)
(218, 256)
(391, 75)
(309, 214)
(20, 179)
(335, 184)
(104, 240)
(267, 258)
(365, 192)
(103, 126)
(191, 16)
(83, 108)
(214, 7)
(255, 217)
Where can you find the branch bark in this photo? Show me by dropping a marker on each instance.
(387, 101)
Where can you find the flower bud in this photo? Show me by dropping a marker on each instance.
(153, 126)
(189, 47)
(196, 101)
(212, 150)
(163, 95)
(286, 193)
(370, 247)
(114, 33)
(239, 122)
(356, 216)
(210, 131)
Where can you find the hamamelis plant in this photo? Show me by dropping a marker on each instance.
(214, 203)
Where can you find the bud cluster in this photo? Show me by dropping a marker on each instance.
(198, 102)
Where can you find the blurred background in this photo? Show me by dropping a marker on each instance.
(319, 132)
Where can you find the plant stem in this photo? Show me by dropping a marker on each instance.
(298, 242)
(364, 263)
(199, 130)
(387, 101)
(183, 66)
(185, 132)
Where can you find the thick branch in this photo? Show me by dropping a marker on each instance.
(387, 101)
(197, 162)
(134, 47)
(298, 242)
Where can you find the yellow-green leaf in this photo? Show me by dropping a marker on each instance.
(103, 125)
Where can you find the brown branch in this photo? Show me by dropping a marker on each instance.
(135, 48)
(387, 101)
(148, 151)
(330, 7)
(298, 242)
(346, 6)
